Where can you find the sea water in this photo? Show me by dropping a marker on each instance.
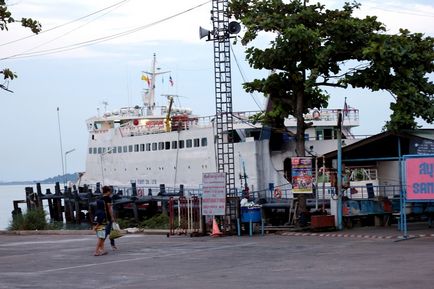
(10, 193)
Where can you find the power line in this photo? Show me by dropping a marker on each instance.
(101, 39)
(67, 23)
(243, 77)
(74, 29)
(398, 11)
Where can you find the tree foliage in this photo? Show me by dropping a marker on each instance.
(6, 19)
(400, 64)
(315, 48)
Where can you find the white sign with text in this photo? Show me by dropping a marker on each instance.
(214, 194)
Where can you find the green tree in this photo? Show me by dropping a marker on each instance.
(7, 19)
(315, 48)
(400, 64)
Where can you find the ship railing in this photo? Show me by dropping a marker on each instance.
(238, 117)
(367, 191)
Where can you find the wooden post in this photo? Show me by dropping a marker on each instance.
(77, 208)
(17, 210)
(68, 206)
(58, 203)
(134, 189)
(39, 195)
(135, 211)
(50, 203)
(29, 198)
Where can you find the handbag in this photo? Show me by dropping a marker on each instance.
(115, 231)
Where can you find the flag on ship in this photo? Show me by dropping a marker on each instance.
(170, 80)
(146, 78)
(346, 108)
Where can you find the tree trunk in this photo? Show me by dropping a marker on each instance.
(300, 148)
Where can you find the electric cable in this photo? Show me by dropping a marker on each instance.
(243, 77)
(65, 24)
(70, 31)
(101, 39)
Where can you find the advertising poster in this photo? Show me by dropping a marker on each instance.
(419, 173)
(214, 194)
(301, 175)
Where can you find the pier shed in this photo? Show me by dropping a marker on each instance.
(383, 153)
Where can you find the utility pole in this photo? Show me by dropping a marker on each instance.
(60, 141)
(339, 170)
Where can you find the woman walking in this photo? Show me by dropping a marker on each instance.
(107, 197)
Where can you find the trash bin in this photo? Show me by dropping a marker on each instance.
(252, 214)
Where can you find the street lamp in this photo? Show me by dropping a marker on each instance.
(66, 170)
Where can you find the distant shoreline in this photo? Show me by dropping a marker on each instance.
(61, 179)
(23, 183)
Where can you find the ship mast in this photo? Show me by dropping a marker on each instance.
(149, 96)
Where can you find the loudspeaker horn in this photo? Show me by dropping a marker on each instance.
(204, 33)
(234, 27)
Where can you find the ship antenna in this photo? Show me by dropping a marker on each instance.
(149, 98)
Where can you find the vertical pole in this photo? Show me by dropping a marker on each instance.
(316, 183)
(339, 172)
(50, 205)
(323, 183)
(60, 141)
(403, 216)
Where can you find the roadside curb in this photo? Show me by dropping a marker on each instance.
(48, 232)
(362, 236)
(79, 232)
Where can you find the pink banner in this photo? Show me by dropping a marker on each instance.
(420, 178)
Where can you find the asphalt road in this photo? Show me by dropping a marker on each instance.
(271, 261)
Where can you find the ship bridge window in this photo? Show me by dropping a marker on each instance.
(119, 149)
(154, 146)
(148, 147)
(167, 145)
(100, 150)
(103, 124)
(114, 150)
(161, 145)
(196, 142)
(325, 133)
(142, 147)
(90, 151)
(181, 144)
(130, 148)
(174, 144)
(125, 149)
(204, 142)
(136, 148)
(95, 150)
(189, 143)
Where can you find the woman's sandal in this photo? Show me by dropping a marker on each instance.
(101, 253)
(114, 248)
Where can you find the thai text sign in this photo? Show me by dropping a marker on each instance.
(301, 175)
(214, 194)
(419, 173)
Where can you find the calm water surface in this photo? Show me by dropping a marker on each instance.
(10, 193)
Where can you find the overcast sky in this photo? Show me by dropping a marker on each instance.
(59, 68)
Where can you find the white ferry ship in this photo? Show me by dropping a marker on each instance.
(150, 145)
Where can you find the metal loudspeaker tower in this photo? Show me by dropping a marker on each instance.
(223, 93)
